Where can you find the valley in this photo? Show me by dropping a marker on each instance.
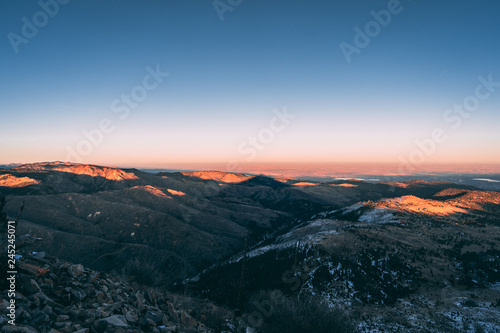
(396, 255)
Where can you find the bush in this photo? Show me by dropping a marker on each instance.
(302, 315)
(144, 273)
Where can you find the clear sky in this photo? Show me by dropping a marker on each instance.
(250, 81)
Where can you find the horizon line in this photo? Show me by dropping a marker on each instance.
(305, 169)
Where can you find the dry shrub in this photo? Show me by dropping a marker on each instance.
(303, 315)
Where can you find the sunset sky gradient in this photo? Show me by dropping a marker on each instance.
(228, 79)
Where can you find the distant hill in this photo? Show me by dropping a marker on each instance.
(9, 166)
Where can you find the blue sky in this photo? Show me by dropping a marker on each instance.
(226, 78)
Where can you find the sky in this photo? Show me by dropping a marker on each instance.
(156, 83)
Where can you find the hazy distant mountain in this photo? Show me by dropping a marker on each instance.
(9, 166)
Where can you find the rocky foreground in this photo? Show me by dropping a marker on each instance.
(57, 296)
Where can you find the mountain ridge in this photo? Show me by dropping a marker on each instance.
(373, 243)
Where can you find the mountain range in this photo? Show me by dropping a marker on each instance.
(425, 249)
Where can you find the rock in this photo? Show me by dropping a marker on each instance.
(20, 312)
(31, 269)
(173, 314)
(48, 310)
(186, 330)
(18, 329)
(39, 317)
(148, 297)
(85, 301)
(101, 298)
(31, 288)
(76, 270)
(35, 285)
(26, 317)
(45, 300)
(20, 297)
(100, 326)
(47, 283)
(3, 306)
(39, 255)
(116, 320)
(78, 294)
(58, 291)
(120, 330)
(131, 317)
(140, 301)
(101, 314)
(93, 276)
(149, 322)
(188, 321)
(62, 318)
(61, 324)
(155, 316)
